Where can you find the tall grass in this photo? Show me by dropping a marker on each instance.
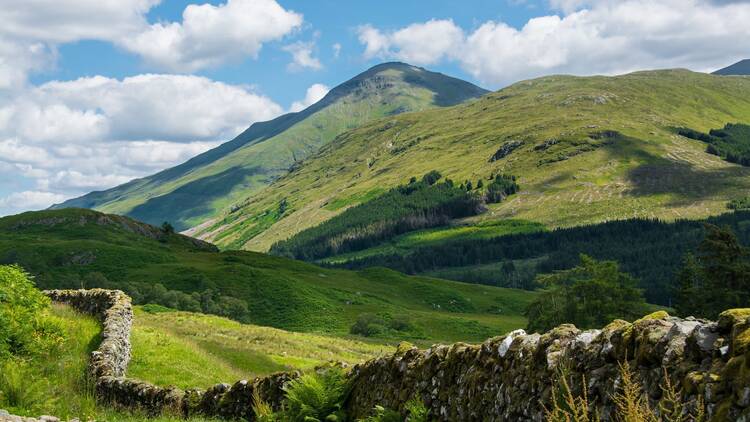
(631, 404)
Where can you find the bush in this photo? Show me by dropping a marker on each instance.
(24, 328)
(368, 325)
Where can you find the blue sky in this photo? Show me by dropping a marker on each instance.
(327, 22)
(94, 93)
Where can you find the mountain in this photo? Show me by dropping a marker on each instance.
(190, 193)
(742, 67)
(584, 150)
(77, 248)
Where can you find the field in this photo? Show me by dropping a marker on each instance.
(195, 350)
(592, 149)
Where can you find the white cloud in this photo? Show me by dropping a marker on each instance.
(28, 200)
(210, 35)
(314, 93)
(336, 50)
(302, 56)
(419, 43)
(594, 36)
(143, 107)
(68, 138)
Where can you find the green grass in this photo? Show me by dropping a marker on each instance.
(646, 170)
(58, 384)
(406, 243)
(64, 248)
(195, 350)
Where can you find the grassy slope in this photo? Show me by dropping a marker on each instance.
(648, 172)
(421, 238)
(61, 247)
(195, 350)
(60, 386)
(191, 195)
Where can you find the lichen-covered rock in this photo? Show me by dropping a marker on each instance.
(512, 378)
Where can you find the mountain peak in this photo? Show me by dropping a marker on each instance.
(742, 67)
(201, 188)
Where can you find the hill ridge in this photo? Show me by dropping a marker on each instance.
(194, 191)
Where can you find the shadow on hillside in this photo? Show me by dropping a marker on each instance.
(659, 175)
(193, 199)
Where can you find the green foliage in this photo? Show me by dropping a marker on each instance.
(589, 295)
(370, 325)
(414, 409)
(24, 326)
(739, 204)
(21, 390)
(732, 143)
(716, 278)
(317, 396)
(501, 187)
(400, 210)
(430, 178)
(167, 228)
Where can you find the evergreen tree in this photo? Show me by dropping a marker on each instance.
(718, 278)
(480, 184)
(589, 295)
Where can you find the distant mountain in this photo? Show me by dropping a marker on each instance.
(584, 149)
(190, 193)
(740, 68)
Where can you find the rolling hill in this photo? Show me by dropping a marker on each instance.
(189, 194)
(77, 248)
(584, 149)
(740, 68)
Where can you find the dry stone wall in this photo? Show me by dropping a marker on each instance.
(109, 364)
(512, 378)
(507, 378)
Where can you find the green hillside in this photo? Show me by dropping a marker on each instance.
(585, 150)
(75, 248)
(190, 193)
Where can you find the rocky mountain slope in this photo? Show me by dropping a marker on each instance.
(740, 68)
(188, 194)
(584, 149)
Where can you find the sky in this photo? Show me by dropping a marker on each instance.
(94, 93)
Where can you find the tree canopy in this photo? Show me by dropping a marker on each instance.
(589, 295)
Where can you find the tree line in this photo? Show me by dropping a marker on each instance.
(712, 278)
(731, 143)
(417, 205)
(649, 250)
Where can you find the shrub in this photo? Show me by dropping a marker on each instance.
(24, 329)
(368, 325)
